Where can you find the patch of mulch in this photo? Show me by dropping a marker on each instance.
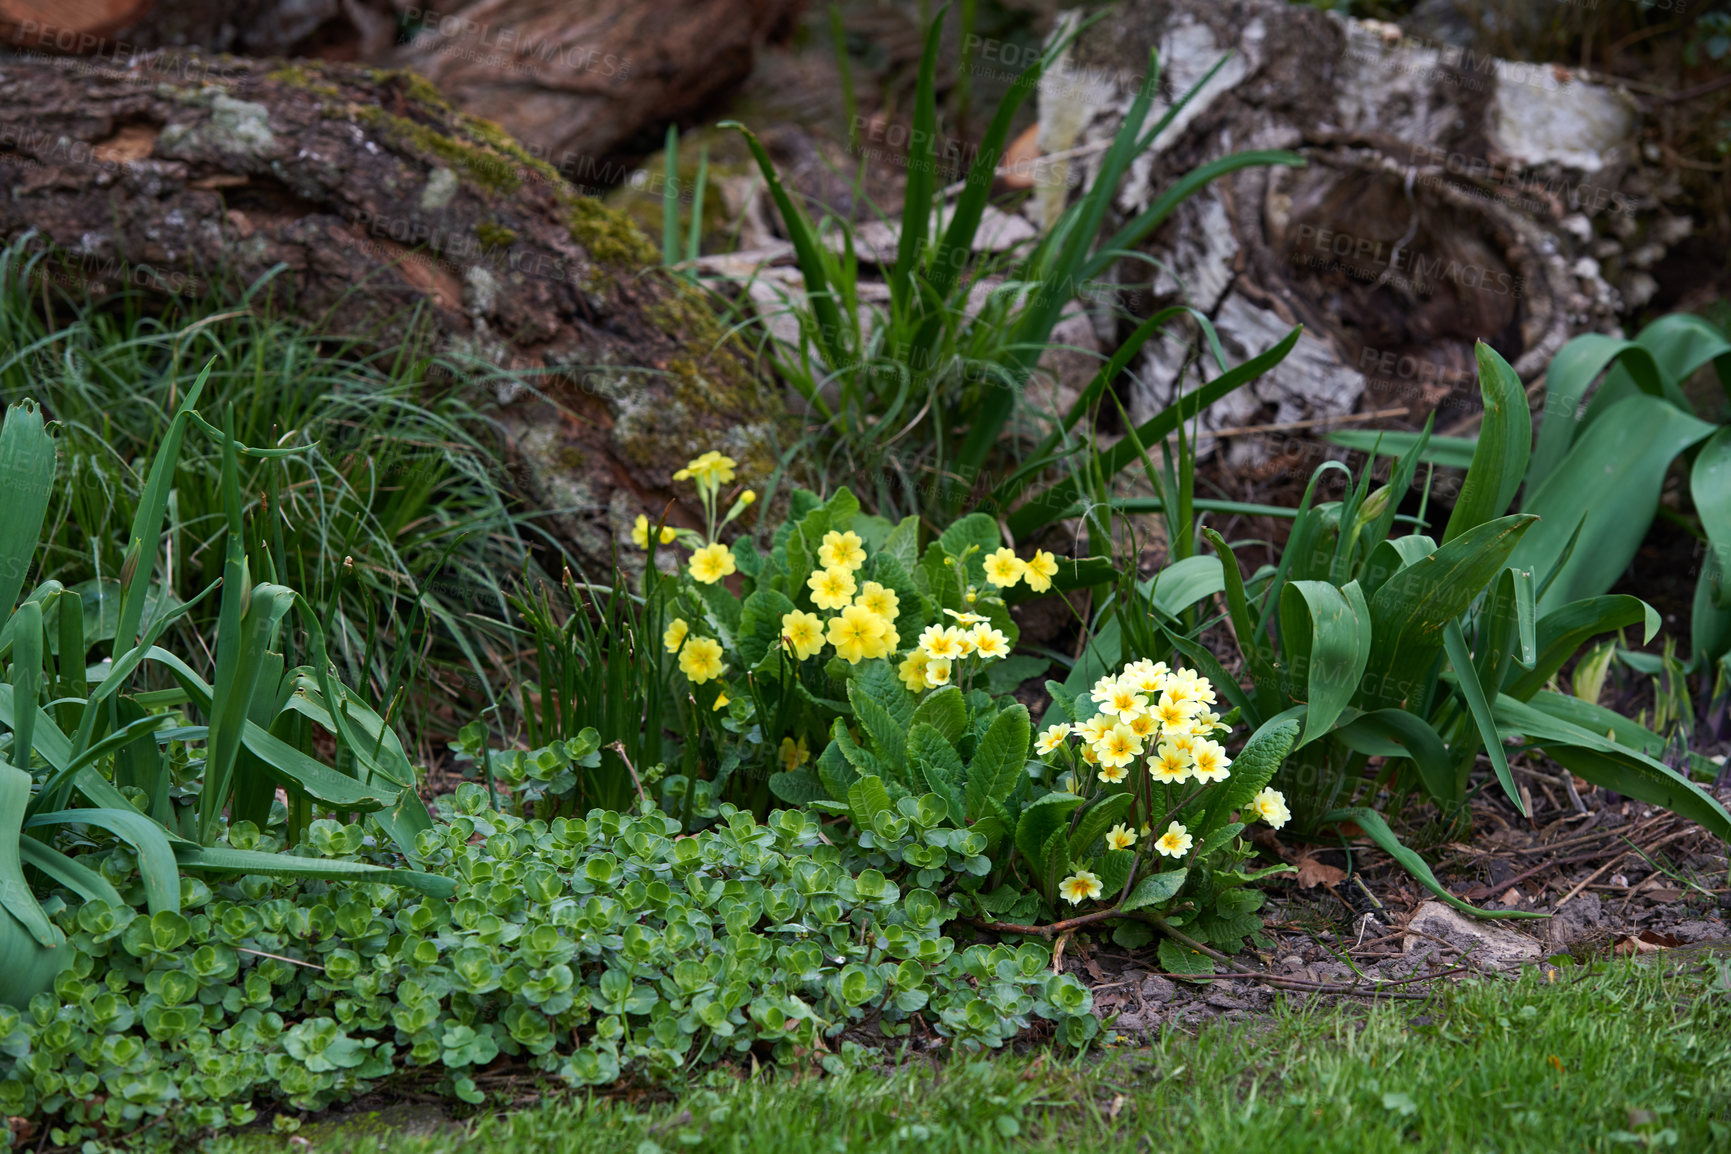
(1617, 877)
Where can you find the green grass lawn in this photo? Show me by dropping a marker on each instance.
(1622, 1056)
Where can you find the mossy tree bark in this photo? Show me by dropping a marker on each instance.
(386, 216)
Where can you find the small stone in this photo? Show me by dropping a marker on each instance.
(1158, 990)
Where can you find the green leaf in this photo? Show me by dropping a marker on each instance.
(999, 760)
(1155, 889)
(940, 766)
(27, 479)
(797, 787)
(156, 865)
(890, 738)
(944, 710)
(1505, 440)
(1184, 962)
(1467, 679)
(15, 896)
(1446, 452)
(1097, 819)
(1560, 633)
(1411, 608)
(221, 859)
(1377, 830)
(1571, 373)
(1218, 839)
(1613, 765)
(1253, 768)
(1326, 636)
(1054, 862)
(1397, 733)
(867, 798)
(1040, 819)
(759, 626)
(1609, 484)
(1710, 489)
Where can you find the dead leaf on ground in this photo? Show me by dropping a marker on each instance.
(1646, 942)
(1312, 873)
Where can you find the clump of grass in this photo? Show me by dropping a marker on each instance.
(381, 501)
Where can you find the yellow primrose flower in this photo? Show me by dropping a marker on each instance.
(1089, 756)
(1170, 765)
(1118, 747)
(965, 619)
(1052, 737)
(963, 638)
(640, 533)
(989, 643)
(746, 499)
(1172, 713)
(884, 644)
(700, 660)
(1123, 701)
(1147, 676)
(1095, 727)
(793, 754)
(1040, 571)
(939, 643)
(1270, 806)
(1004, 568)
(1175, 842)
(841, 551)
(883, 602)
(912, 671)
(802, 632)
(1079, 887)
(709, 469)
(1120, 836)
(1143, 725)
(1113, 774)
(1210, 760)
(853, 632)
(711, 563)
(1103, 689)
(831, 588)
(937, 672)
(674, 637)
(720, 702)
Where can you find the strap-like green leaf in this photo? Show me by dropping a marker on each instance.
(1613, 765)
(1326, 637)
(1467, 680)
(27, 479)
(156, 866)
(1613, 477)
(1377, 830)
(1505, 442)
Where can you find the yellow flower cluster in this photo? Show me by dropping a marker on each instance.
(1149, 709)
(864, 625)
(932, 662)
(1004, 569)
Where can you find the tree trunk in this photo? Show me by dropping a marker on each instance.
(577, 80)
(383, 205)
(1446, 197)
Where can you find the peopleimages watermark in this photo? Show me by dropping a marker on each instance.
(95, 53)
(894, 143)
(508, 49)
(1529, 182)
(1387, 263)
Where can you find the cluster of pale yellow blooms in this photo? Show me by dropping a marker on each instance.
(1167, 715)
